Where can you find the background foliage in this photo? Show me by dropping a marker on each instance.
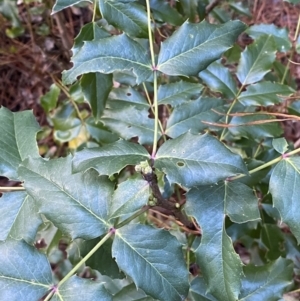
(164, 168)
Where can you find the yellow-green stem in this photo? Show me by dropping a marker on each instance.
(49, 296)
(152, 109)
(267, 164)
(94, 11)
(155, 114)
(85, 258)
(229, 111)
(129, 219)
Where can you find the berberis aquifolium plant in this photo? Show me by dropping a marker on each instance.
(183, 188)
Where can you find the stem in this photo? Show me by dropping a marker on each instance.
(287, 68)
(229, 111)
(84, 259)
(49, 296)
(11, 188)
(151, 106)
(129, 219)
(154, 148)
(94, 12)
(155, 114)
(267, 164)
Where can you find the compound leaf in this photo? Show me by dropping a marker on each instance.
(17, 140)
(109, 55)
(177, 93)
(19, 217)
(76, 203)
(256, 60)
(192, 160)
(130, 196)
(78, 289)
(189, 116)
(194, 46)
(264, 94)
(267, 282)
(110, 158)
(285, 190)
(132, 18)
(25, 274)
(220, 265)
(219, 79)
(153, 259)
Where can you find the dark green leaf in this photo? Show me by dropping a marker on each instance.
(19, 217)
(241, 8)
(101, 260)
(131, 18)
(109, 55)
(62, 4)
(220, 265)
(189, 116)
(25, 274)
(280, 35)
(198, 290)
(203, 44)
(110, 158)
(129, 122)
(266, 282)
(99, 132)
(280, 145)
(178, 93)
(17, 140)
(285, 190)
(78, 289)
(131, 293)
(95, 88)
(130, 196)
(264, 94)
(254, 131)
(153, 259)
(256, 60)
(69, 200)
(273, 240)
(121, 97)
(49, 100)
(218, 78)
(89, 32)
(192, 160)
(162, 10)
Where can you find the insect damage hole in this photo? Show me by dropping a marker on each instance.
(180, 164)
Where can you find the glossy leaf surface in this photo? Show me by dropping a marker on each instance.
(191, 160)
(17, 140)
(220, 265)
(111, 158)
(129, 196)
(203, 44)
(264, 94)
(266, 282)
(109, 55)
(218, 78)
(78, 289)
(19, 217)
(285, 189)
(132, 18)
(189, 116)
(146, 253)
(22, 279)
(256, 60)
(177, 93)
(62, 4)
(69, 200)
